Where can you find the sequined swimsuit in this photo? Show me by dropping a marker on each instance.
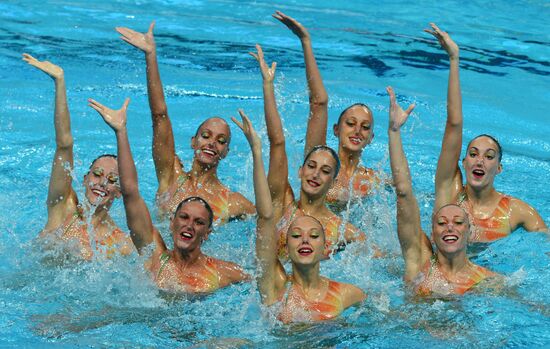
(360, 186)
(219, 202)
(75, 230)
(296, 309)
(169, 277)
(433, 281)
(494, 227)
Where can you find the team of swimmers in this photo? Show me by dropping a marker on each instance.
(303, 230)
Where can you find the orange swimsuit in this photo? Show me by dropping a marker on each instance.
(219, 202)
(361, 187)
(169, 277)
(75, 230)
(494, 227)
(297, 309)
(292, 211)
(433, 280)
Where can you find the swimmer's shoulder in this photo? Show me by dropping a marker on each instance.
(351, 294)
(228, 272)
(524, 215)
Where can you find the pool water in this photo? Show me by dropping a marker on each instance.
(361, 47)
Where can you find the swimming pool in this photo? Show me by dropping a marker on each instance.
(361, 47)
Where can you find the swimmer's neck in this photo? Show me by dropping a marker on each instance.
(481, 196)
(203, 175)
(185, 258)
(349, 161)
(306, 277)
(99, 217)
(312, 206)
(452, 264)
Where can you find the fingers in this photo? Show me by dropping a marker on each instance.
(391, 93)
(410, 109)
(95, 104)
(125, 31)
(237, 122)
(151, 27)
(273, 66)
(254, 55)
(125, 104)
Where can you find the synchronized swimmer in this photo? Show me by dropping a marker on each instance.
(210, 145)
(354, 128)
(303, 230)
(83, 228)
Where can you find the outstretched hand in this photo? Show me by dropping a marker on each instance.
(444, 40)
(47, 67)
(249, 132)
(116, 119)
(297, 28)
(143, 41)
(268, 74)
(398, 116)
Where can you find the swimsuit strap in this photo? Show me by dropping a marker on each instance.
(164, 258)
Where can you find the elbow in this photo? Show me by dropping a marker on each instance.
(65, 142)
(159, 113)
(319, 100)
(277, 141)
(402, 190)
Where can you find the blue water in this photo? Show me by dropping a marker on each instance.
(361, 47)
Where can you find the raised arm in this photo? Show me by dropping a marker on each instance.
(137, 214)
(277, 177)
(415, 246)
(318, 98)
(270, 276)
(448, 178)
(61, 196)
(164, 153)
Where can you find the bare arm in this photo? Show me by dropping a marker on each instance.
(277, 177)
(318, 98)
(270, 279)
(137, 214)
(61, 196)
(164, 154)
(411, 237)
(448, 173)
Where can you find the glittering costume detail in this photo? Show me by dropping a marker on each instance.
(433, 281)
(296, 308)
(74, 231)
(172, 277)
(494, 227)
(361, 186)
(292, 212)
(218, 202)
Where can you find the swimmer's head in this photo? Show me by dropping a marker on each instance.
(450, 228)
(101, 183)
(191, 223)
(482, 161)
(211, 141)
(202, 202)
(495, 142)
(319, 170)
(305, 240)
(355, 127)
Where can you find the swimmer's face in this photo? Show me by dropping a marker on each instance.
(355, 129)
(101, 182)
(451, 229)
(317, 173)
(211, 143)
(190, 226)
(481, 163)
(305, 241)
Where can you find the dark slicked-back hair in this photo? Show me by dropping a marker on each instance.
(102, 156)
(215, 117)
(499, 148)
(203, 202)
(351, 106)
